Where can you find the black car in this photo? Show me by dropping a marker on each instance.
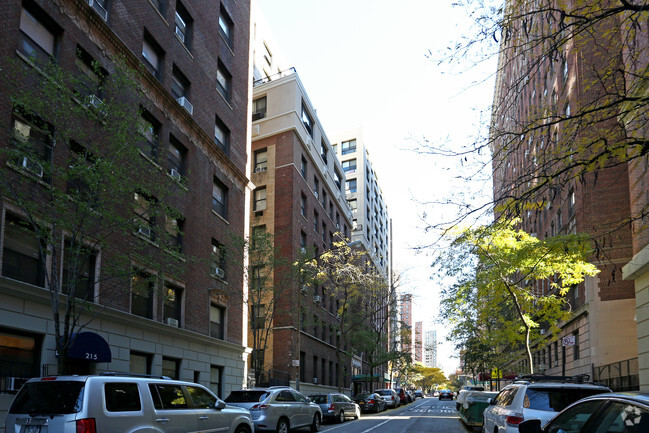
(370, 402)
(419, 394)
(403, 396)
(445, 394)
(611, 412)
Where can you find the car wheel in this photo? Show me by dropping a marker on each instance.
(242, 429)
(315, 426)
(377, 408)
(282, 426)
(341, 416)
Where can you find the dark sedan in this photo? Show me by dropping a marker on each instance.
(370, 402)
(445, 394)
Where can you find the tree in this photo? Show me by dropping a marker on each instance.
(428, 377)
(505, 292)
(77, 185)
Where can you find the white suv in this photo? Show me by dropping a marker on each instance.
(535, 397)
(125, 404)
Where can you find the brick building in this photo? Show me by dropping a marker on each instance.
(540, 89)
(192, 57)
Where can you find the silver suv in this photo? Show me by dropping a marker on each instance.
(277, 408)
(120, 403)
(535, 397)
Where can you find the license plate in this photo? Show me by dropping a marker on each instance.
(32, 429)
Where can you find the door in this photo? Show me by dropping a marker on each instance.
(173, 412)
(209, 418)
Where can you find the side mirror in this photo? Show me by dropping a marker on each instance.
(491, 401)
(220, 404)
(530, 426)
(308, 400)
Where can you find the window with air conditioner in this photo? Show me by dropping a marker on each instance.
(261, 160)
(101, 7)
(259, 108)
(218, 259)
(143, 210)
(32, 139)
(171, 305)
(183, 24)
(176, 156)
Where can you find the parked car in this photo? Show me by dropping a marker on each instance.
(403, 395)
(419, 394)
(390, 396)
(445, 394)
(411, 396)
(336, 407)
(277, 408)
(537, 397)
(612, 412)
(120, 403)
(370, 402)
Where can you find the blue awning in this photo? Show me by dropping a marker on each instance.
(89, 346)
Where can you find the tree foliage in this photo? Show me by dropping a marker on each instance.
(428, 378)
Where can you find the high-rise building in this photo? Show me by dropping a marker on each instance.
(430, 348)
(190, 60)
(418, 342)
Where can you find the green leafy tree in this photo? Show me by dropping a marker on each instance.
(427, 377)
(73, 175)
(504, 292)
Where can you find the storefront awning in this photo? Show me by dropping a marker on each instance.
(89, 346)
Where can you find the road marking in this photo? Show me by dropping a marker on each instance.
(376, 426)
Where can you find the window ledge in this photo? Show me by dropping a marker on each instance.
(220, 217)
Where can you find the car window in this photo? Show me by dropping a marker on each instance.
(345, 399)
(201, 397)
(299, 396)
(319, 399)
(122, 397)
(49, 397)
(622, 418)
(506, 397)
(171, 396)
(555, 399)
(246, 396)
(285, 395)
(573, 419)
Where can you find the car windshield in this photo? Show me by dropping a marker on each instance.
(555, 399)
(318, 399)
(49, 398)
(362, 396)
(384, 392)
(246, 396)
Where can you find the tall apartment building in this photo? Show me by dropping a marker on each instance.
(430, 348)
(405, 317)
(418, 341)
(193, 70)
(544, 92)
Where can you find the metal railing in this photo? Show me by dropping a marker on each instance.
(619, 376)
(274, 77)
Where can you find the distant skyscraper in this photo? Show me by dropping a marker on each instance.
(430, 348)
(417, 339)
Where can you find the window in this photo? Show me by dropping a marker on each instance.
(218, 258)
(180, 88)
(216, 378)
(142, 295)
(303, 241)
(82, 186)
(183, 24)
(145, 220)
(349, 166)
(37, 39)
(171, 368)
(153, 55)
(259, 108)
(350, 186)
(307, 120)
(348, 147)
(223, 81)
(174, 229)
(150, 132)
(219, 198)
(32, 139)
(303, 166)
(316, 186)
(225, 26)
(172, 303)
(316, 222)
(176, 155)
(576, 349)
(260, 199)
(140, 363)
(91, 78)
(160, 5)
(324, 151)
(217, 316)
(82, 260)
(303, 205)
(23, 255)
(337, 178)
(261, 160)
(221, 135)
(259, 316)
(201, 398)
(122, 397)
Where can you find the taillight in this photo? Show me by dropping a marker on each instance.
(513, 421)
(332, 408)
(86, 425)
(260, 407)
(370, 402)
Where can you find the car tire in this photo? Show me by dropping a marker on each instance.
(341, 416)
(242, 429)
(282, 426)
(377, 408)
(315, 425)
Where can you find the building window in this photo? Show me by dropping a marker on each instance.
(303, 241)
(259, 108)
(176, 155)
(216, 379)
(218, 258)
(348, 147)
(180, 89)
(84, 260)
(145, 220)
(225, 26)
(142, 291)
(316, 221)
(303, 205)
(353, 204)
(160, 5)
(576, 348)
(219, 198)
(259, 316)
(91, 77)
(217, 321)
(183, 24)
(350, 186)
(307, 120)
(23, 256)
(174, 229)
(32, 139)
(260, 199)
(139, 363)
(316, 186)
(150, 131)
(337, 178)
(153, 55)
(324, 152)
(172, 305)
(349, 166)
(19, 359)
(221, 135)
(171, 368)
(37, 39)
(303, 166)
(261, 160)
(223, 81)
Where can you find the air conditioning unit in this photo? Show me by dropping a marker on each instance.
(180, 34)
(337, 316)
(33, 167)
(317, 195)
(186, 104)
(95, 101)
(315, 380)
(303, 250)
(218, 272)
(260, 169)
(99, 9)
(258, 115)
(175, 174)
(172, 322)
(317, 299)
(144, 231)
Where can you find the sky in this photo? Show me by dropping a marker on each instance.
(366, 63)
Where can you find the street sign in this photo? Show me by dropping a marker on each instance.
(568, 340)
(496, 373)
(295, 363)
